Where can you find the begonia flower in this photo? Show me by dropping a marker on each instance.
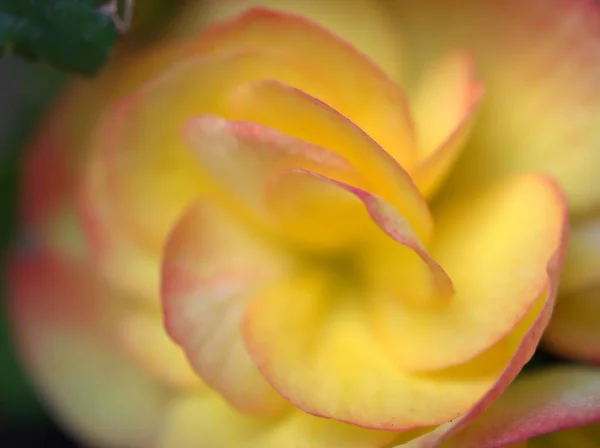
(307, 224)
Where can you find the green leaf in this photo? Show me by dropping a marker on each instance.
(71, 35)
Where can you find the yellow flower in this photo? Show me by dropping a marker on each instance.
(309, 224)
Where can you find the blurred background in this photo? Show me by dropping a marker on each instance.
(25, 90)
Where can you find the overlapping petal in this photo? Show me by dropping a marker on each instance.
(60, 315)
(538, 114)
(144, 339)
(537, 403)
(362, 92)
(344, 19)
(481, 242)
(243, 61)
(182, 429)
(319, 124)
(443, 109)
(302, 275)
(210, 269)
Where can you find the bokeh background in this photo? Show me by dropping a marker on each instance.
(26, 89)
(26, 93)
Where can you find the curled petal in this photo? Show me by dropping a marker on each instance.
(301, 322)
(310, 318)
(271, 104)
(536, 403)
(444, 110)
(210, 268)
(132, 152)
(481, 242)
(538, 114)
(378, 41)
(368, 97)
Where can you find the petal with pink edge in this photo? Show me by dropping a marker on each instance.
(495, 246)
(67, 349)
(536, 403)
(538, 114)
(368, 97)
(210, 268)
(131, 152)
(443, 109)
(271, 104)
(378, 41)
(322, 316)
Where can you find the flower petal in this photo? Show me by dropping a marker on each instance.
(301, 321)
(206, 420)
(125, 265)
(443, 110)
(306, 319)
(199, 420)
(333, 208)
(121, 224)
(145, 341)
(538, 114)
(495, 247)
(378, 41)
(536, 403)
(210, 268)
(367, 98)
(132, 151)
(271, 104)
(67, 349)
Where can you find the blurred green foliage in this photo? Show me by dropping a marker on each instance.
(71, 35)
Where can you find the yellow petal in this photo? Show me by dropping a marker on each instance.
(537, 403)
(496, 247)
(368, 97)
(243, 157)
(144, 339)
(206, 421)
(271, 104)
(345, 19)
(313, 212)
(443, 109)
(538, 114)
(302, 321)
(210, 269)
(66, 344)
(127, 266)
(132, 140)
